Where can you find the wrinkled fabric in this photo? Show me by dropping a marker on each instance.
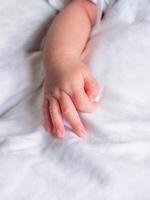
(59, 4)
(113, 161)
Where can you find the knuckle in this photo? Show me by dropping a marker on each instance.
(66, 89)
(53, 110)
(79, 103)
(85, 107)
(55, 93)
(65, 86)
(66, 110)
(81, 107)
(54, 118)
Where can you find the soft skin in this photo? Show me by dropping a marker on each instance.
(69, 86)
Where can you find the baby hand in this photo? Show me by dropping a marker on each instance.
(69, 87)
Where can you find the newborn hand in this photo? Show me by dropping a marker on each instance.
(69, 87)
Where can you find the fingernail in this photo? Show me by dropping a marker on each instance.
(82, 132)
(95, 99)
(60, 134)
(92, 99)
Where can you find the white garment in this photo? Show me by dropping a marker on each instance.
(59, 4)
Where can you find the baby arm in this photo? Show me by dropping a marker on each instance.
(69, 85)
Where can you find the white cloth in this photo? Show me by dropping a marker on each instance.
(59, 4)
(23, 25)
(113, 161)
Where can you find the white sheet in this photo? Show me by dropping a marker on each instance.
(113, 161)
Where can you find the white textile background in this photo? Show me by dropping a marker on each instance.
(113, 161)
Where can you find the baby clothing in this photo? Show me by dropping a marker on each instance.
(59, 4)
(116, 10)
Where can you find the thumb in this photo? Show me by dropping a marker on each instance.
(91, 87)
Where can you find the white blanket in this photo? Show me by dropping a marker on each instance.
(112, 163)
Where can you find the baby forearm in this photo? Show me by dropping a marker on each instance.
(70, 30)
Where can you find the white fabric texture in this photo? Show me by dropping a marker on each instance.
(59, 4)
(113, 161)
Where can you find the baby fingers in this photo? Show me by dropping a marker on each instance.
(47, 118)
(92, 87)
(56, 117)
(69, 111)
